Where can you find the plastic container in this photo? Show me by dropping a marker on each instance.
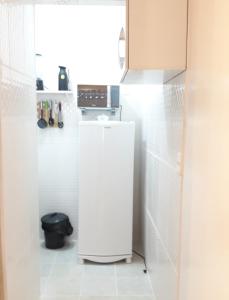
(56, 226)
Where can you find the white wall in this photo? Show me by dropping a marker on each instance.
(163, 138)
(18, 153)
(161, 116)
(58, 164)
(83, 38)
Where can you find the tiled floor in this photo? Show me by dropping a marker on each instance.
(63, 278)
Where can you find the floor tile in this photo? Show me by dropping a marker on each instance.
(67, 254)
(63, 278)
(134, 269)
(98, 286)
(134, 286)
(43, 286)
(63, 286)
(47, 256)
(66, 270)
(67, 257)
(45, 270)
(99, 269)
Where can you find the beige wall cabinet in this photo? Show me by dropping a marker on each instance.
(152, 42)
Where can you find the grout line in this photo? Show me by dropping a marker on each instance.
(53, 263)
(82, 275)
(43, 292)
(151, 284)
(116, 280)
(161, 241)
(49, 275)
(164, 162)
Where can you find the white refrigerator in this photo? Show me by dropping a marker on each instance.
(106, 190)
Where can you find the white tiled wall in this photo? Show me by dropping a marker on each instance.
(18, 149)
(58, 164)
(162, 147)
(160, 117)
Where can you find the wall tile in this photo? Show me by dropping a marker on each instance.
(163, 200)
(160, 109)
(162, 274)
(19, 205)
(4, 33)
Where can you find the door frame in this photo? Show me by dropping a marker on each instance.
(2, 285)
(2, 280)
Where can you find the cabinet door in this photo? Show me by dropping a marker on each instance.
(157, 33)
(106, 190)
(118, 188)
(90, 173)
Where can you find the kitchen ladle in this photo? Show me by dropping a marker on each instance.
(51, 119)
(60, 118)
(42, 122)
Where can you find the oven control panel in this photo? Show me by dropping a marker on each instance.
(92, 96)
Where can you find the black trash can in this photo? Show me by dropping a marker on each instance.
(56, 226)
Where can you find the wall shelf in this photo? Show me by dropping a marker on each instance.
(47, 92)
(84, 110)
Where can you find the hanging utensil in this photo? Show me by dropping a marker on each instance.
(46, 111)
(38, 110)
(42, 122)
(51, 119)
(60, 118)
(55, 113)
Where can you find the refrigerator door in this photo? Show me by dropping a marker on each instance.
(106, 188)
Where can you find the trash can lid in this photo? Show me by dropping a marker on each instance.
(54, 218)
